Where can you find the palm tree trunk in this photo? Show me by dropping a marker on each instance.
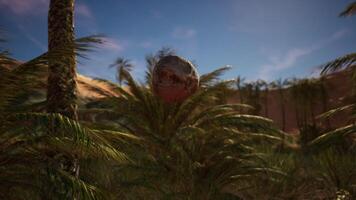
(283, 118)
(283, 112)
(297, 116)
(266, 102)
(240, 94)
(324, 98)
(61, 89)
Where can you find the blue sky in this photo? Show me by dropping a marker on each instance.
(265, 39)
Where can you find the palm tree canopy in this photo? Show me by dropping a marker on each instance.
(121, 64)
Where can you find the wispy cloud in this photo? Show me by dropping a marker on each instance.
(113, 44)
(289, 59)
(146, 44)
(83, 10)
(339, 34)
(35, 7)
(278, 63)
(33, 39)
(25, 7)
(183, 33)
(156, 14)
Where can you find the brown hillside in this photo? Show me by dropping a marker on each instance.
(88, 88)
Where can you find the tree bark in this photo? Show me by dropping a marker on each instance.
(282, 109)
(266, 101)
(62, 86)
(61, 89)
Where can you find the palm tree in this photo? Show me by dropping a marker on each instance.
(307, 95)
(152, 59)
(265, 88)
(279, 86)
(31, 160)
(293, 82)
(250, 93)
(28, 161)
(197, 149)
(239, 84)
(62, 86)
(61, 89)
(324, 97)
(122, 65)
(263, 85)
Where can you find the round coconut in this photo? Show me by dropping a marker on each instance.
(174, 79)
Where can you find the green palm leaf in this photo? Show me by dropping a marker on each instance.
(339, 63)
(333, 137)
(209, 78)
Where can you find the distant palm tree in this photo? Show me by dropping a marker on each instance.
(293, 82)
(152, 59)
(279, 86)
(263, 85)
(122, 65)
(324, 97)
(266, 86)
(239, 84)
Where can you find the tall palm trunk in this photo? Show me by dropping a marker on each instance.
(283, 112)
(61, 90)
(266, 100)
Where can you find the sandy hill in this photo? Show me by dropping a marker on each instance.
(88, 88)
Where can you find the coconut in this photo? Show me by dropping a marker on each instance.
(174, 79)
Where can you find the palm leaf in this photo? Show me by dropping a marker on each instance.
(335, 111)
(92, 141)
(328, 139)
(210, 77)
(339, 63)
(350, 10)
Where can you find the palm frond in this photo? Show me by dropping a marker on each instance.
(196, 138)
(349, 10)
(5, 59)
(82, 189)
(81, 47)
(210, 77)
(333, 137)
(88, 44)
(339, 63)
(88, 140)
(335, 111)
